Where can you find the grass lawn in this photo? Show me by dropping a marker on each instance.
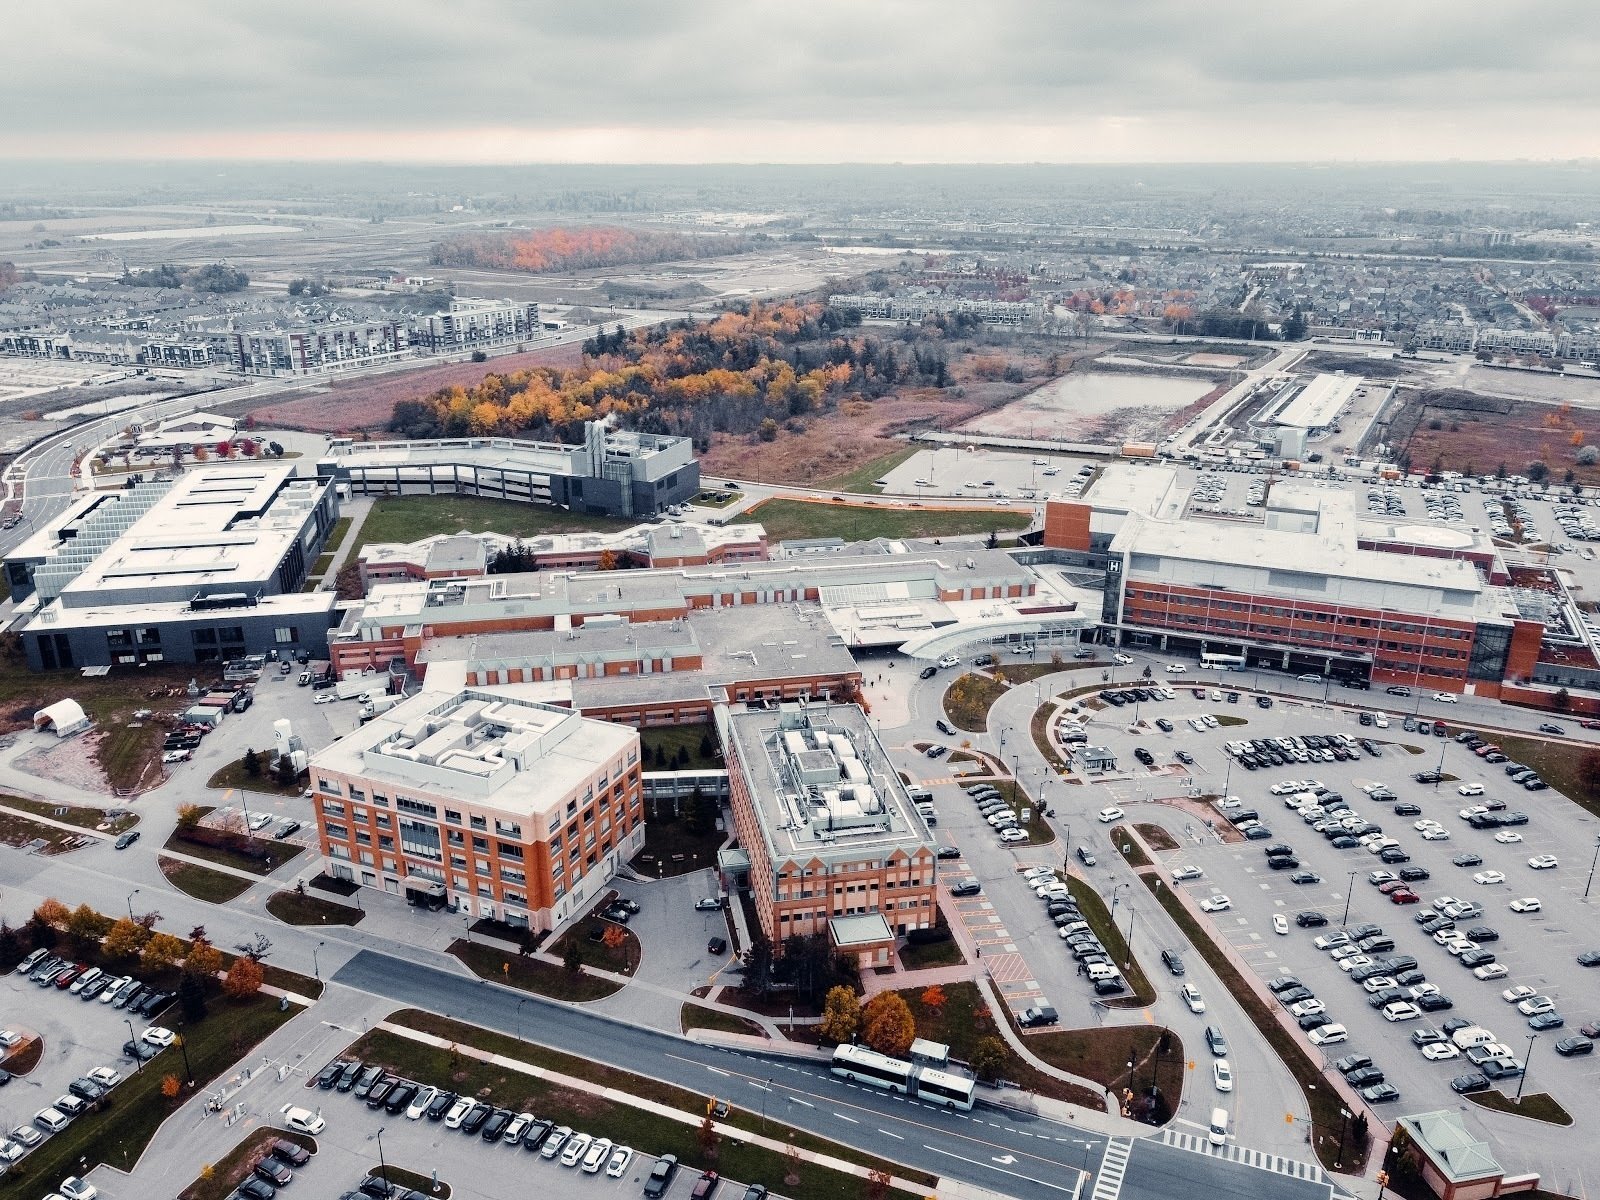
(1156, 837)
(717, 498)
(415, 1180)
(1110, 934)
(531, 975)
(670, 739)
(1322, 1102)
(696, 1016)
(411, 518)
(671, 848)
(968, 700)
(1539, 1106)
(320, 567)
(1103, 1055)
(1130, 849)
(914, 957)
(298, 909)
(277, 853)
(644, 1131)
(214, 887)
(965, 1019)
(336, 535)
(864, 478)
(24, 831)
(130, 1116)
(72, 814)
(623, 959)
(230, 1170)
(1558, 764)
(786, 519)
(1039, 729)
(233, 775)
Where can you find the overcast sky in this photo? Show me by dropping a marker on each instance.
(819, 81)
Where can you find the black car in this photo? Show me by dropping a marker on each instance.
(86, 1089)
(153, 1003)
(141, 1050)
(1500, 1068)
(1468, 860)
(1474, 1082)
(1314, 1021)
(1393, 855)
(375, 1187)
(1589, 958)
(442, 1104)
(1283, 862)
(534, 1135)
(1294, 995)
(379, 1092)
(949, 852)
(1310, 919)
(1482, 933)
(351, 1073)
(1144, 756)
(255, 1188)
(1435, 1002)
(475, 1118)
(1257, 833)
(1432, 922)
(1364, 1077)
(1357, 932)
(1455, 1025)
(290, 1152)
(1414, 874)
(927, 672)
(273, 1172)
(1173, 961)
(1385, 996)
(1569, 1046)
(365, 1083)
(1351, 1062)
(1380, 1093)
(1408, 810)
(945, 727)
(1279, 986)
(1304, 877)
(495, 1126)
(967, 887)
(1344, 841)
(400, 1098)
(329, 1075)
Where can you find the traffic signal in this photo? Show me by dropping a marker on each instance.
(1383, 1178)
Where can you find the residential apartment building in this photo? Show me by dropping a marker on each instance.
(834, 843)
(501, 807)
(472, 324)
(314, 348)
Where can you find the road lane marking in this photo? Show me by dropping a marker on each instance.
(890, 1133)
(990, 1166)
(842, 1117)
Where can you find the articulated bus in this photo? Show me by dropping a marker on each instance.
(896, 1075)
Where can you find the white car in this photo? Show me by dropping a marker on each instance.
(419, 1106)
(157, 1035)
(1444, 697)
(106, 1077)
(1216, 904)
(1307, 1008)
(1355, 960)
(1326, 1035)
(323, 698)
(1191, 996)
(1401, 1010)
(618, 1166)
(1176, 668)
(1108, 815)
(1488, 877)
(595, 1156)
(1528, 904)
(1543, 862)
(259, 821)
(948, 661)
(1222, 1075)
(1491, 971)
(52, 1119)
(26, 1135)
(1472, 810)
(1436, 834)
(1508, 837)
(10, 1038)
(1426, 824)
(1516, 992)
(109, 993)
(1122, 660)
(73, 1188)
(458, 1112)
(1013, 835)
(1183, 873)
(1439, 1051)
(304, 1120)
(1470, 789)
(577, 1146)
(1280, 923)
(11, 1153)
(1377, 983)
(1536, 1005)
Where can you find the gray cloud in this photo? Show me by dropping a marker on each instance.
(162, 73)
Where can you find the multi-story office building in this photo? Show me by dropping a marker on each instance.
(204, 569)
(834, 842)
(498, 806)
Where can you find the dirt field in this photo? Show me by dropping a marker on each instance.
(366, 405)
(1478, 442)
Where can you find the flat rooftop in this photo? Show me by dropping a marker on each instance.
(1152, 491)
(501, 751)
(822, 786)
(1318, 403)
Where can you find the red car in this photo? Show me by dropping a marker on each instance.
(1589, 724)
(1404, 897)
(64, 980)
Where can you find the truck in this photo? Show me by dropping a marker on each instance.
(374, 705)
(361, 685)
(315, 671)
(661, 1176)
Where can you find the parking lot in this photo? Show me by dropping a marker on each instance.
(1537, 949)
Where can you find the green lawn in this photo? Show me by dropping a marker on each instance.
(532, 975)
(917, 956)
(864, 478)
(1110, 934)
(1103, 1056)
(136, 1108)
(788, 519)
(229, 1171)
(672, 848)
(969, 698)
(670, 739)
(235, 776)
(697, 1016)
(1559, 764)
(277, 853)
(624, 959)
(72, 814)
(214, 887)
(1038, 829)
(1321, 1102)
(336, 535)
(411, 518)
(647, 1132)
(1537, 1106)
(297, 909)
(965, 1019)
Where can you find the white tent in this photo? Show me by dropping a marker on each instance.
(64, 717)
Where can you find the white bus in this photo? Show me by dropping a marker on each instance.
(940, 1087)
(1220, 662)
(868, 1066)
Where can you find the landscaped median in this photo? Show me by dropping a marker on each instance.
(1536, 1106)
(520, 1078)
(1099, 917)
(218, 1179)
(532, 974)
(1322, 1099)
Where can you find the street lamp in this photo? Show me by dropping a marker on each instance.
(1129, 946)
(1114, 892)
(188, 1071)
(133, 1038)
(383, 1167)
(316, 967)
(1526, 1062)
(518, 1017)
(131, 895)
(1349, 890)
(1592, 861)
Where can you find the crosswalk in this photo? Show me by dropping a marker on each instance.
(1276, 1163)
(1113, 1166)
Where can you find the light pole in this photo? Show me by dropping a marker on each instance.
(316, 967)
(131, 895)
(1349, 890)
(1114, 892)
(1128, 965)
(133, 1038)
(1066, 857)
(1526, 1062)
(383, 1167)
(1592, 862)
(520, 1003)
